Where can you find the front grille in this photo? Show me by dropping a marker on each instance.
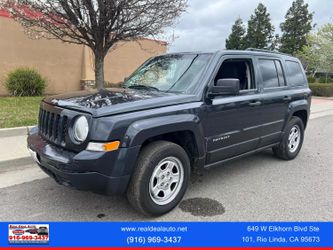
(53, 127)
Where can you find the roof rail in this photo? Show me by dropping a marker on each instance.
(266, 50)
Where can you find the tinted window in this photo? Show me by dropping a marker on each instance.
(280, 73)
(268, 73)
(295, 73)
(240, 69)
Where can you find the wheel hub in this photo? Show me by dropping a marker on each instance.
(166, 180)
(294, 138)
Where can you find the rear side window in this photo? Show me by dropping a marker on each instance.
(295, 74)
(269, 73)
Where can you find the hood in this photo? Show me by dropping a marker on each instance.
(116, 100)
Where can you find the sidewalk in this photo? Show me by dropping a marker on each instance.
(13, 145)
(16, 165)
(321, 107)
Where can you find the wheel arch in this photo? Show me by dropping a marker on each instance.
(303, 115)
(184, 130)
(301, 109)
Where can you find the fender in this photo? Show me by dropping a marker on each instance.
(295, 106)
(139, 131)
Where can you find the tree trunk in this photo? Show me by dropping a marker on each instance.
(315, 72)
(99, 71)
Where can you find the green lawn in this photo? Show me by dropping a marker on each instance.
(19, 111)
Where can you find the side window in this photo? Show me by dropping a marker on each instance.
(269, 73)
(295, 73)
(241, 69)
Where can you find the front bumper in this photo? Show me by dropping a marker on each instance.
(101, 172)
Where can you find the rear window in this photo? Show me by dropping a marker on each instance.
(295, 74)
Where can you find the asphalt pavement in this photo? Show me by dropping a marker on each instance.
(256, 188)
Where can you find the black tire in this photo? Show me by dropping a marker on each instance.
(151, 156)
(283, 151)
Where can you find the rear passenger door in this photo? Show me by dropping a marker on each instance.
(276, 97)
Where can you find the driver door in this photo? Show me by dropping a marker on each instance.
(233, 123)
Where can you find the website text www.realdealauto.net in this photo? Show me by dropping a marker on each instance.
(152, 229)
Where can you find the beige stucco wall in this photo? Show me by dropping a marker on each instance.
(122, 60)
(58, 62)
(65, 65)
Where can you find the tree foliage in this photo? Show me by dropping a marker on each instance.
(259, 29)
(296, 27)
(236, 37)
(275, 43)
(317, 55)
(97, 24)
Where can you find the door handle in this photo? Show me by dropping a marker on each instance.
(287, 98)
(254, 104)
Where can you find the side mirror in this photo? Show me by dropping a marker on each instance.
(226, 86)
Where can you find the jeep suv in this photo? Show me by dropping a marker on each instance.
(176, 113)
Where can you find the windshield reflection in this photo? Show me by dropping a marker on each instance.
(169, 73)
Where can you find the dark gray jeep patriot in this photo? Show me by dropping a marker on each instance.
(176, 113)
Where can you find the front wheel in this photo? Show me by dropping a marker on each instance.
(160, 179)
(292, 140)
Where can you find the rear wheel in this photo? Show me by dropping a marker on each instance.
(160, 179)
(292, 140)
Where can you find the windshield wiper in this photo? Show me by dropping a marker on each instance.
(138, 86)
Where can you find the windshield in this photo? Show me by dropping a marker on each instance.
(169, 73)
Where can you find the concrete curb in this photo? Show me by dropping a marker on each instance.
(323, 97)
(8, 132)
(15, 162)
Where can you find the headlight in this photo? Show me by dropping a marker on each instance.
(81, 129)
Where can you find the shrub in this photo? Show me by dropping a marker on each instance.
(322, 89)
(311, 79)
(25, 82)
(324, 80)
